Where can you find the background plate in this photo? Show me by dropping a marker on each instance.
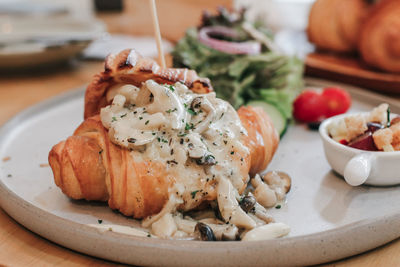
(329, 219)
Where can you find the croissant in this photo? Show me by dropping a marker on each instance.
(335, 24)
(379, 42)
(89, 166)
(139, 179)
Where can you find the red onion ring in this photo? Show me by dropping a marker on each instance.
(236, 48)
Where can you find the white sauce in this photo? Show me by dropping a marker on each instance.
(173, 125)
(199, 139)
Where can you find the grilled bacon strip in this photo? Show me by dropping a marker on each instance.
(129, 67)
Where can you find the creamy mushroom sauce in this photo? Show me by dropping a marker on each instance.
(199, 138)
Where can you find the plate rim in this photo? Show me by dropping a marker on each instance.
(6, 194)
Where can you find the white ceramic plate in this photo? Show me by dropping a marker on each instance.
(329, 219)
(32, 41)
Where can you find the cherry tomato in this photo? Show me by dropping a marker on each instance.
(337, 100)
(314, 106)
(309, 106)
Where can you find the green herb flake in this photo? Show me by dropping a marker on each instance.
(113, 119)
(148, 235)
(99, 221)
(191, 112)
(189, 126)
(194, 193)
(171, 88)
(140, 118)
(278, 207)
(123, 115)
(147, 122)
(232, 152)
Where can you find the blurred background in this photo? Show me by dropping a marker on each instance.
(44, 32)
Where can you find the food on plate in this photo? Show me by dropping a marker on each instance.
(372, 131)
(242, 61)
(367, 26)
(379, 42)
(158, 145)
(313, 105)
(335, 24)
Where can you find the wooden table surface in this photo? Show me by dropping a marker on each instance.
(19, 246)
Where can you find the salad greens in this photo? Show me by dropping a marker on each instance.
(239, 78)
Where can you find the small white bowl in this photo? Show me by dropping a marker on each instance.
(360, 166)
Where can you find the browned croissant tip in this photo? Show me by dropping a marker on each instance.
(129, 67)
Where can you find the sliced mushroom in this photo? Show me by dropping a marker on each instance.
(229, 207)
(247, 203)
(278, 181)
(204, 232)
(222, 231)
(185, 225)
(164, 227)
(268, 231)
(263, 193)
(260, 212)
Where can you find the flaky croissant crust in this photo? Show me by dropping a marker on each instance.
(89, 166)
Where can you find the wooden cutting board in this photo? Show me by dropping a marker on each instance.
(351, 70)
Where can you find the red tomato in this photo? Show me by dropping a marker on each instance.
(309, 106)
(313, 106)
(337, 100)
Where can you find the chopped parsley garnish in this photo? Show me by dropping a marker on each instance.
(232, 152)
(140, 118)
(189, 126)
(153, 133)
(158, 139)
(113, 119)
(171, 88)
(194, 193)
(165, 141)
(182, 134)
(278, 207)
(100, 221)
(185, 105)
(191, 112)
(171, 110)
(123, 115)
(148, 235)
(147, 122)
